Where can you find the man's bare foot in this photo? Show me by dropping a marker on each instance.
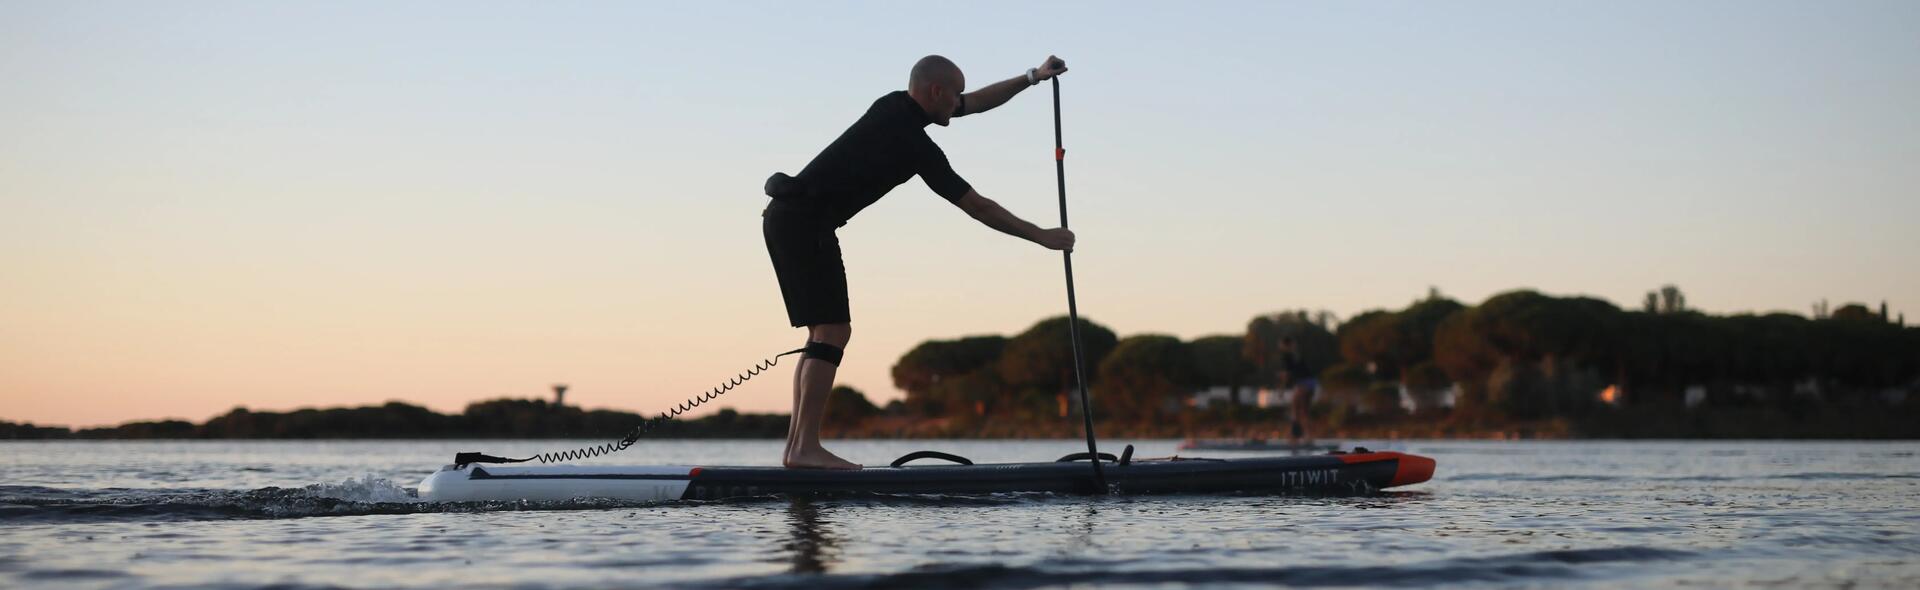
(817, 458)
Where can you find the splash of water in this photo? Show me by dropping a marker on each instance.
(367, 488)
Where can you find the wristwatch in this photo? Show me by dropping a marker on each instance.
(1033, 76)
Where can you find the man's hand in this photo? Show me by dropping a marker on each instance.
(1058, 238)
(1054, 66)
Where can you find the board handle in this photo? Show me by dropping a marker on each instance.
(917, 455)
(1108, 457)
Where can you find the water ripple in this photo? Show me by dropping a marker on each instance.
(1532, 566)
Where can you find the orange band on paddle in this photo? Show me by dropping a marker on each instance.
(1059, 154)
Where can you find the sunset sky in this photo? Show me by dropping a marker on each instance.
(282, 205)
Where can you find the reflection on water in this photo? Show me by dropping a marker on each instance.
(1084, 532)
(812, 545)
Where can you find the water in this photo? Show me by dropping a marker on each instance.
(342, 514)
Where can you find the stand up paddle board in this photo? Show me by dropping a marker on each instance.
(1349, 473)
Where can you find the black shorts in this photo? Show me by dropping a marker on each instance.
(806, 259)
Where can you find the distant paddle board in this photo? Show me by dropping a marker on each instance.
(1243, 444)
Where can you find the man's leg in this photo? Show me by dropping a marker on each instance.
(813, 382)
(1299, 404)
(793, 418)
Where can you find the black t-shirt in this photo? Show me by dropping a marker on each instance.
(1297, 371)
(883, 149)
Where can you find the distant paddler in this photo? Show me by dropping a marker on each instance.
(1297, 377)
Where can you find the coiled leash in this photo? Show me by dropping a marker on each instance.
(813, 350)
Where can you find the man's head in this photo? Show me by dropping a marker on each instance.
(936, 84)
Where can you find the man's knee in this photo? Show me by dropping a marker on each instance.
(835, 334)
(827, 342)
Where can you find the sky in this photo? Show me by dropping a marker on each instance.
(214, 204)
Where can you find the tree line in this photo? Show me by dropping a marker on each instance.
(1519, 355)
(500, 418)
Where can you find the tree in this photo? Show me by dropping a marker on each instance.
(1258, 345)
(1041, 358)
(1386, 342)
(1518, 389)
(975, 394)
(1531, 354)
(1420, 322)
(1221, 364)
(1345, 383)
(1382, 398)
(1859, 350)
(1144, 373)
(1426, 383)
(1464, 353)
(1668, 299)
(934, 360)
(1857, 312)
(847, 406)
(1373, 340)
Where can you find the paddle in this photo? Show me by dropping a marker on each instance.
(1073, 306)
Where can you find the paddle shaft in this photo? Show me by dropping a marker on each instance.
(1073, 305)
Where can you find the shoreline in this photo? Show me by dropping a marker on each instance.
(537, 420)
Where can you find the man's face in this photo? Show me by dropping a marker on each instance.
(946, 100)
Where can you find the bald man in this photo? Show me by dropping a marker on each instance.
(887, 146)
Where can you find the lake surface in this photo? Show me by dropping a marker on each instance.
(1543, 514)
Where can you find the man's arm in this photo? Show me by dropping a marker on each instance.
(993, 215)
(998, 93)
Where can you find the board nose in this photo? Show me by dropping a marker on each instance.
(1412, 469)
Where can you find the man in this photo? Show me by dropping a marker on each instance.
(1295, 375)
(887, 146)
